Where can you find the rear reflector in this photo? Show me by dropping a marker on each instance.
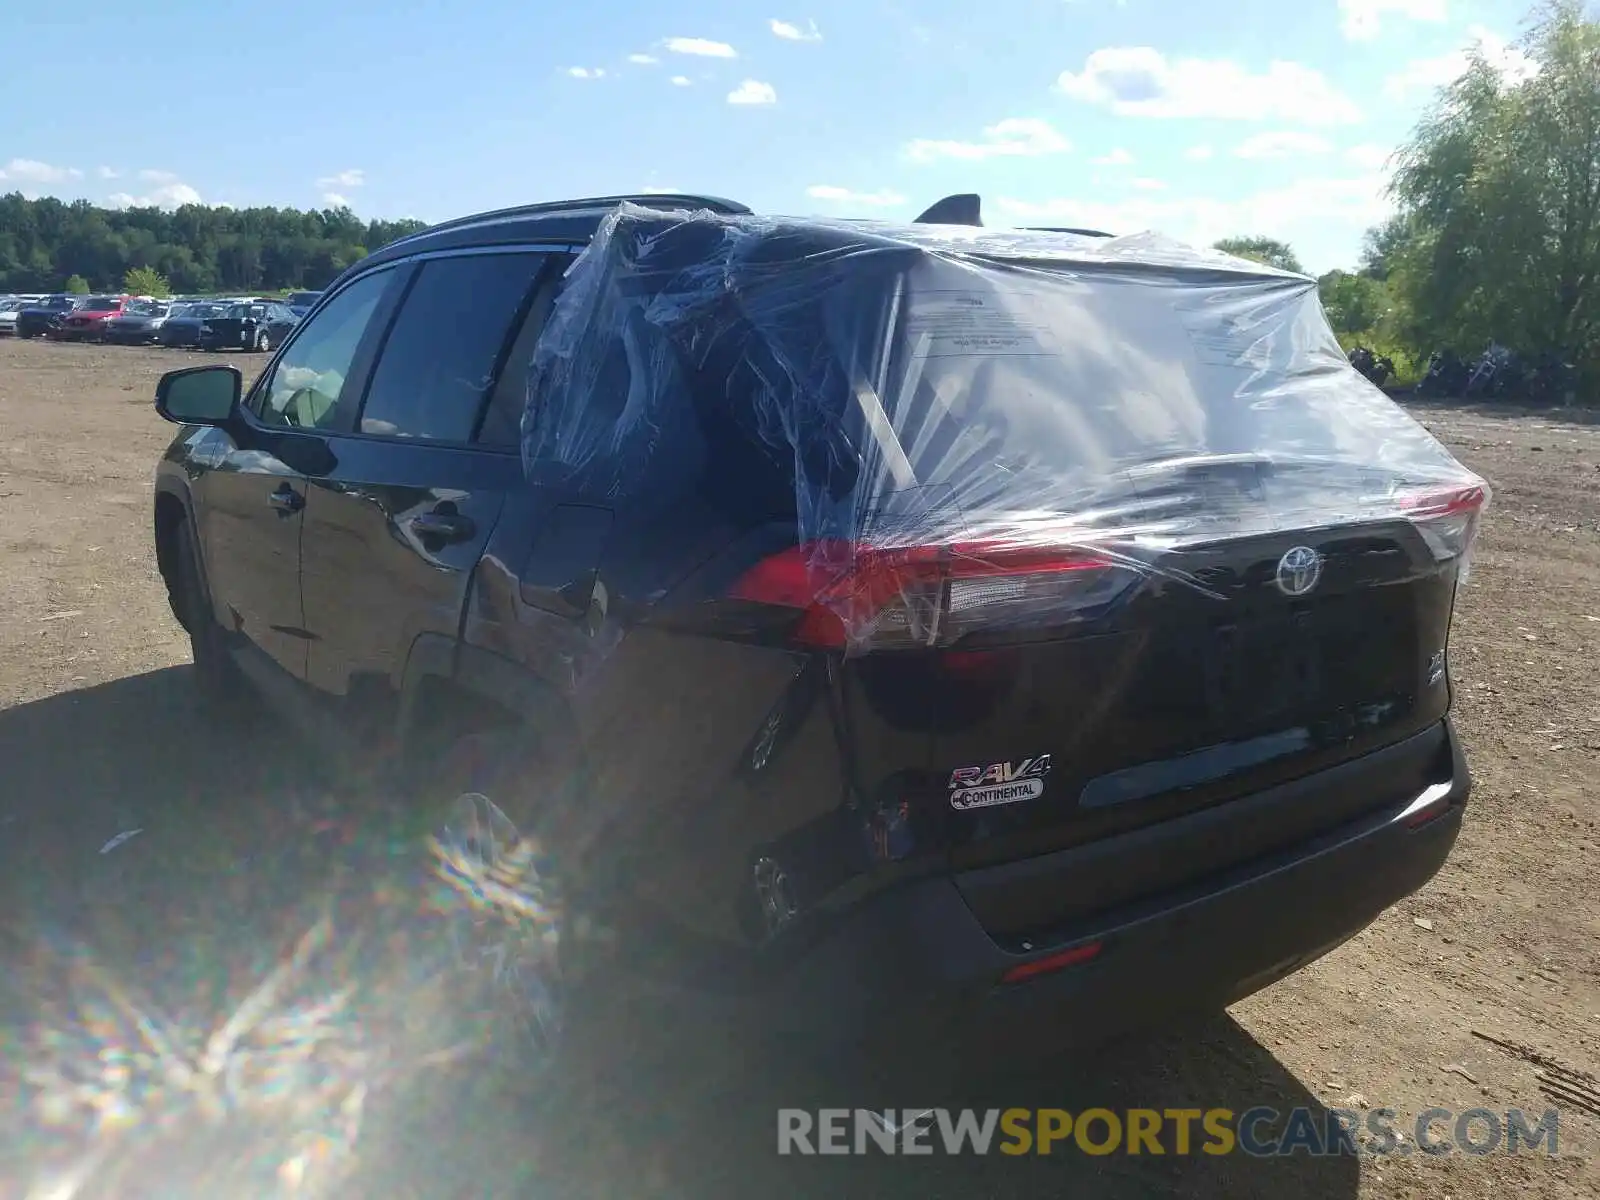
(1431, 804)
(1059, 961)
(849, 594)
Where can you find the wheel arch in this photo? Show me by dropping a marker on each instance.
(451, 690)
(173, 509)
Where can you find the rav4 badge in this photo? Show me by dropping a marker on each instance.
(998, 783)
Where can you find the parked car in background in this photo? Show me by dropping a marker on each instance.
(9, 311)
(259, 325)
(138, 327)
(182, 326)
(87, 322)
(301, 302)
(40, 318)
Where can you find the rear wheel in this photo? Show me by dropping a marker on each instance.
(526, 959)
(512, 977)
(263, 341)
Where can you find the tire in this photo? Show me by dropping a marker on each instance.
(520, 979)
(263, 342)
(221, 689)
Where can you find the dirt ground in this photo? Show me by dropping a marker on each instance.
(97, 738)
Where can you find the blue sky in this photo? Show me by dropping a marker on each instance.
(1196, 117)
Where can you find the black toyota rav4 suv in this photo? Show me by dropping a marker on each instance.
(953, 632)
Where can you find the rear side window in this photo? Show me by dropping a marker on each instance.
(438, 362)
(502, 421)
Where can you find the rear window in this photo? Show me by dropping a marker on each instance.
(438, 362)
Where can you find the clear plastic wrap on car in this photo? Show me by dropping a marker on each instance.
(985, 429)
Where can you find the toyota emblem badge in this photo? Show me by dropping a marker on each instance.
(1299, 570)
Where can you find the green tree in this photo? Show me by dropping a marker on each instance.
(1381, 243)
(145, 281)
(77, 285)
(1263, 250)
(1355, 304)
(197, 249)
(1500, 191)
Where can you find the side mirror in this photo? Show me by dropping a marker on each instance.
(200, 395)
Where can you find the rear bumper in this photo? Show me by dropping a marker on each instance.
(915, 964)
(228, 339)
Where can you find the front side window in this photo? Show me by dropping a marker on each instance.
(309, 379)
(439, 361)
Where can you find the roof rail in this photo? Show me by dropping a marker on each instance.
(648, 199)
(1068, 229)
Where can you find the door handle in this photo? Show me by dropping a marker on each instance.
(286, 500)
(444, 525)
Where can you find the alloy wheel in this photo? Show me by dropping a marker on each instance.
(503, 921)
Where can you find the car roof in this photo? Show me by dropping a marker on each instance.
(575, 222)
(566, 221)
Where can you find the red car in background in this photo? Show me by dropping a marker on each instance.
(87, 322)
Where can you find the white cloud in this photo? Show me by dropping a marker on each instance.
(1306, 212)
(1150, 185)
(1025, 137)
(168, 195)
(1422, 76)
(28, 170)
(702, 47)
(753, 91)
(1199, 153)
(651, 189)
(883, 198)
(793, 33)
(149, 175)
(643, 60)
(1139, 81)
(587, 72)
(335, 200)
(353, 177)
(682, 81)
(1117, 158)
(1361, 19)
(1368, 156)
(107, 173)
(1282, 144)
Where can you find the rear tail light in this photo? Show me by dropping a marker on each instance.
(1447, 518)
(848, 594)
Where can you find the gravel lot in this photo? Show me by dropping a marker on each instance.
(97, 738)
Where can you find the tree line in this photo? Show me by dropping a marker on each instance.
(46, 243)
(1495, 237)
